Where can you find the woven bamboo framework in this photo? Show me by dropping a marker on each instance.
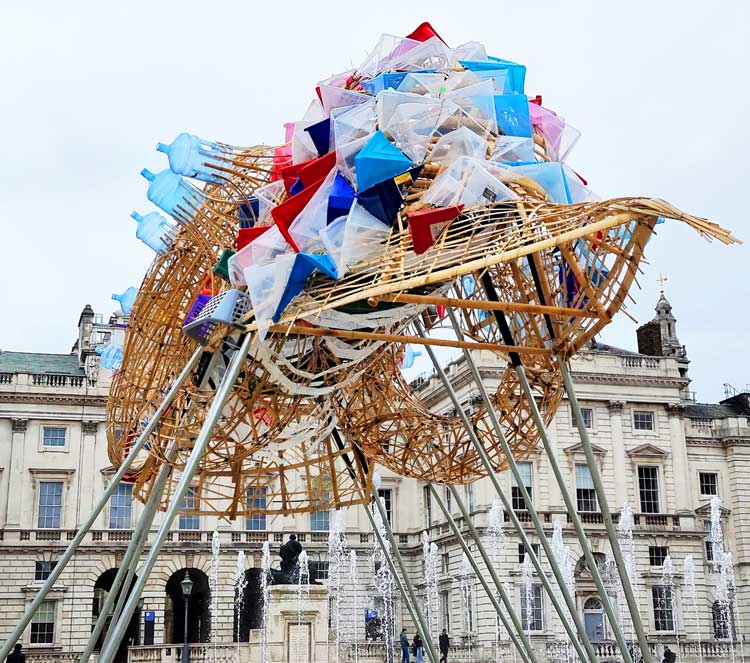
(321, 398)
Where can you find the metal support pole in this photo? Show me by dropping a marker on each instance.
(91, 518)
(129, 563)
(523, 646)
(406, 588)
(573, 515)
(185, 644)
(606, 514)
(196, 455)
(590, 654)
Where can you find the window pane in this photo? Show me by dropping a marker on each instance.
(190, 502)
(648, 486)
(709, 483)
(662, 602)
(53, 437)
(50, 504)
(387, 496)
(585, 493)
(121, 507)
(588, 417)
(42, 570)
(643, 420)
(525, 470)
(257, 498)
(427, 498)
(657, 555)
(445, 610)
(43, 624)
(531, 611)
(320, 521)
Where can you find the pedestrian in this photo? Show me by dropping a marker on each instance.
(404, 640)
(418, 649)
(669, 656)
(16, 656)
(445, 644)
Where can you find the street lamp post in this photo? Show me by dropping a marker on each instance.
(187, 588)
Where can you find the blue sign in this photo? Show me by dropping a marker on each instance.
(148, 616)
(371, 614)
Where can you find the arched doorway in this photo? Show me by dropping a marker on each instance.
(132, 636)
(248, 609)
(199, 617)
(593, 619)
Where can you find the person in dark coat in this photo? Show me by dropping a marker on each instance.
(669, 656)
(16, 656)
(444, 643)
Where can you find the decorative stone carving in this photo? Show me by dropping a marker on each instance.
(19, 425)
(675, 409)
(89, 427)
(615, 407)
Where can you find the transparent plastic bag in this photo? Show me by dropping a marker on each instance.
(513, 148)
(467, 182)
(478, 102)
(429, 54)
(353, 122)
(425, 84)
(389, 48)
(459, 143)
(363, 237)
(412, 127)
(305, 229)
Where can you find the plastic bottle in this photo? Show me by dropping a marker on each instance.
(194, 157)
(155, 231)
(126, 300)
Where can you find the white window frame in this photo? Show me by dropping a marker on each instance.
(45, 425)
(260, 519)
(536, 588)
(55, 626)
(197, 498)
(659, 495)
(531, 482)
(37, 505)
(109, 508)
(445, 610)
(392, 512)
(644, 431)
(573, 423)
(718, 484)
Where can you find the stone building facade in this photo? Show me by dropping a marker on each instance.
(658, 450)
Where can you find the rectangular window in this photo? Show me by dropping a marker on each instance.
(53, 437)
(648, 488)
(447, 498)
(709, 551)
(121, 507)
(531, 608)
(43, 570)
(588, 417)
(585, 492)
(525, 470)
(190, 502)
(427, 498)
(386, 495)
(320, 521)
(50, 504)
(522, 551)
(662, 601)
(643, 420)
(657, 555)
(43, 624)
(445, 610)
(257, 498)
(445, 563)
(709, 483)
(318, 570)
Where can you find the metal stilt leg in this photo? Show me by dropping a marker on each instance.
(91, 518)
(576, 641)
(606, 515)
(520, 641)
(405, 587)
(196, 455)
(129, 564)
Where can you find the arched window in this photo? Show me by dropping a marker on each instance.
(592, 604)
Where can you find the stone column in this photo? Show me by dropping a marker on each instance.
(89, 481)
(16, 478)
(684, 488)
(619, 459)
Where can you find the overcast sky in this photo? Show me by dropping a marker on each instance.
(658, 89)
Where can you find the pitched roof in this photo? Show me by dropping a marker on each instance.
(38, 362)
(709, 411)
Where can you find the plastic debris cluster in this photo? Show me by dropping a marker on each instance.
(346, 170)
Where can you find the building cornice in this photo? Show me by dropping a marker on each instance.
(62, 399)
(627, 380)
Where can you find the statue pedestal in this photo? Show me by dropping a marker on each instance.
(297, 630)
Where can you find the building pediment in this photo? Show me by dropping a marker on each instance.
(647, 451)
(705, 511)
(578, 449)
